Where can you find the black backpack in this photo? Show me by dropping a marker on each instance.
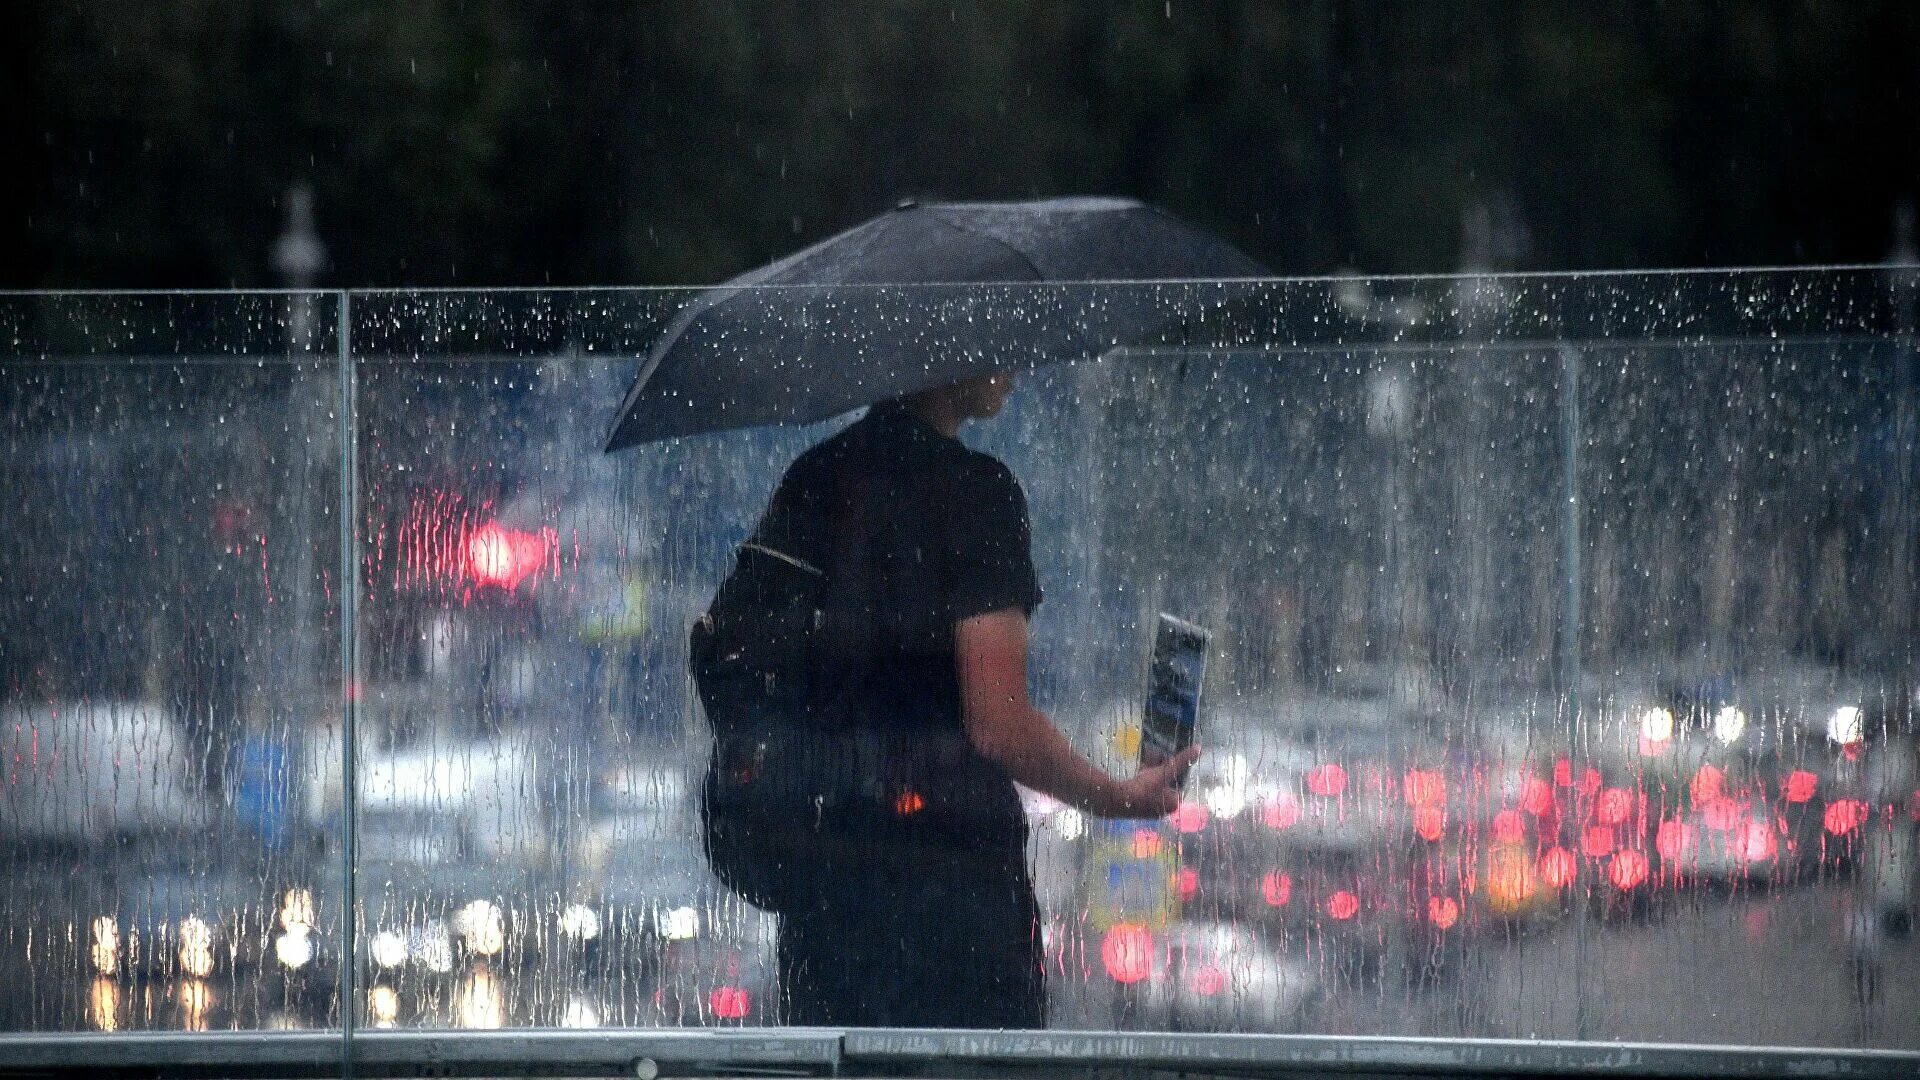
(805, 790)
(785, 775)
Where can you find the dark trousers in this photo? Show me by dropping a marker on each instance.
(922, 938)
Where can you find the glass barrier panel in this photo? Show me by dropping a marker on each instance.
(1558, 676)
(169, 667)
(1558, 683)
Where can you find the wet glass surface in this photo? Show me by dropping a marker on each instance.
(1561, 684)
(170, 661)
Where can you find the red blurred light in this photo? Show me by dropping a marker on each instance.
(909, 803)
(1282, 812)
(1800, 786)
(1563, 773)
(1425, 787)
(1127, 952)
(1596, 841)
(1277, 888)
(1558, 867)
(1509, 827)
(1430, 822)
(1708, 784)
(1443, 911)
(1209, 981)
(1722, 815)
(1146, 843)
(1628, 869)
(1327, 781)
(1343, 905)
(1845, 815)
(1536, 796)
(505, 557)
(729, 1003)
(1614, 806)
(1674, 840)
(1187, 881)
(1190, 816)
(1759, 843)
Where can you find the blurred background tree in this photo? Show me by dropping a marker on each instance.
(477, 142)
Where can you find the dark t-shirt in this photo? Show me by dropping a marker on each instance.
(915, 532)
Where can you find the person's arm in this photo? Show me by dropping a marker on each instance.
(1004, 727)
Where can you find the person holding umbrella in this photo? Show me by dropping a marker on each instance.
(936, 926)
(923, 546)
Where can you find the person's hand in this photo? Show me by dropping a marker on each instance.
(1154, 790)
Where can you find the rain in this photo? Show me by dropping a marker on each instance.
(1560, 685)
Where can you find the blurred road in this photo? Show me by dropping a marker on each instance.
(1760, 969)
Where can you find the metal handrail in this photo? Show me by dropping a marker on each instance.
(878, 1053)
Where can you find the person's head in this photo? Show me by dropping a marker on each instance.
(978, 398)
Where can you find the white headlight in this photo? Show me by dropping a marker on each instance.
(433, 948)
(388, 949)
(479, 1003)
(1225, 801)
(1846, 725)
(1069, 823)
(294, 948)
(383, 1004)
(106, 944)
(679, 924)
(482, 927)
(580, 1013)
(1729, 724)
(296, 909)
(1656, 725)
(196, 946)
(580, 922)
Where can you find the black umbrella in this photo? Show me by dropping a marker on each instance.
(836, 326)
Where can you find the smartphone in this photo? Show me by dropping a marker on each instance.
(1173, 688)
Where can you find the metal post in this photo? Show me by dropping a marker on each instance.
(1569, 652)
(349, 676)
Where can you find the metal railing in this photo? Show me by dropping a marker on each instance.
(650, 1055)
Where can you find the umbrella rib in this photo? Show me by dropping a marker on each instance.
(1038, 274)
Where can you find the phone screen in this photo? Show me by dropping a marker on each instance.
(1173, 689)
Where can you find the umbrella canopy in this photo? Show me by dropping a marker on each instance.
(852, 319)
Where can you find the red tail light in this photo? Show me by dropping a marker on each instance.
(1430, 822)
(1845, 815)
(729, 1003)
(1443, 911)
(1707, 784)
(497, 555)
(1127, 952)
(1283, 812)
(1800, 786)
(1209, 981)
(1721, 814)
(1628, 869)
(1509, 827)
(1558, 867)
(1596, 842)
(1425, 787)
(1343, 905)
(1190, 816)
(1614, 806)
(1187, 881)
(1327, 781)
(1536, 796)
(1674, 840)
(1277, 888)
